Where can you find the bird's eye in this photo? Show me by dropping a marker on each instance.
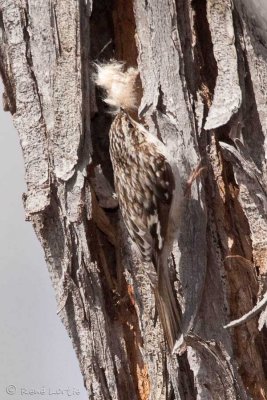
(130, 125)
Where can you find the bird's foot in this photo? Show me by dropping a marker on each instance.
(197, 171)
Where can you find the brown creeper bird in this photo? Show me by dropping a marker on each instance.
(148, 187)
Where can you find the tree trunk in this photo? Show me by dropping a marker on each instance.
(203, 82)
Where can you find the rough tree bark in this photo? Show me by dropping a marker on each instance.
(203, 76)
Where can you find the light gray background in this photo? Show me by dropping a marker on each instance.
(35, 350)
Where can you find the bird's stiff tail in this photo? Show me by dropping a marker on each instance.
(168, 308)
(119, 83)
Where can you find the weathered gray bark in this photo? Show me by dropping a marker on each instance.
(203, 73)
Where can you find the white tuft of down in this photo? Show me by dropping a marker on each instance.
(119, 83)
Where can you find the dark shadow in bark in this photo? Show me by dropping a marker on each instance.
(203, 51)
(183, 24)
(250, 125)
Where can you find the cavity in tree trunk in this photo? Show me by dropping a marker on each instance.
(203, 86)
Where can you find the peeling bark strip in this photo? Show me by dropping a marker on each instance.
(227, 94)
(28, 118)
(203, 76)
